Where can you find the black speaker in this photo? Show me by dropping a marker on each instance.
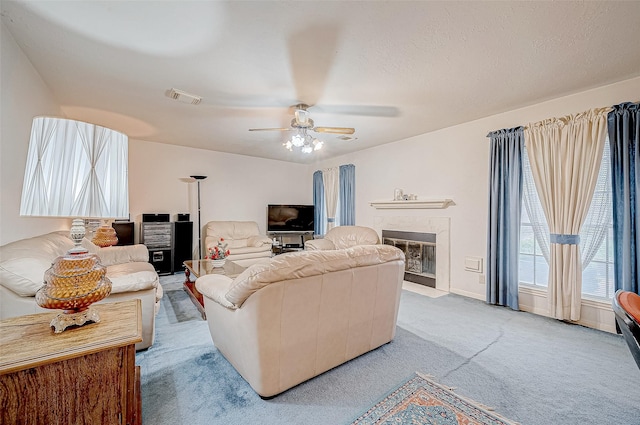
(124, 231)
(161, 260)
(183, 243)
(183, 217)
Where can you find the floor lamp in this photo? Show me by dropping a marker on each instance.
(198, 178)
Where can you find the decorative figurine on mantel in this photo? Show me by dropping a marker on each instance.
(399, 196)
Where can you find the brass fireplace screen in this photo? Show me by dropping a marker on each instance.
(420, 254)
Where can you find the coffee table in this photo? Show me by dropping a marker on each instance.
(199, 268)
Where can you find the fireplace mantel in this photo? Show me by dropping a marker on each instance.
(414, 204)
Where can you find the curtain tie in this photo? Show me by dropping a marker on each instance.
(559, 238)
(331, 220)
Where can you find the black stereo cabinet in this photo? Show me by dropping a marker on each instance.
(158, 238)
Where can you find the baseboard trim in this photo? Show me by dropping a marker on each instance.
(466, 294)
(595, 314)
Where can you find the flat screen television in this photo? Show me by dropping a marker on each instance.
(290, 218)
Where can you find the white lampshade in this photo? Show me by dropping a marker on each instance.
(75, 169)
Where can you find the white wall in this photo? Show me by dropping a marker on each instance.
(453, 163)
(23, 95)
(236, 188)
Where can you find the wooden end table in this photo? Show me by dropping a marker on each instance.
(199, 268)
(84, 375)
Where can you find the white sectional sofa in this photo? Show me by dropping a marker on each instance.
(23, 263)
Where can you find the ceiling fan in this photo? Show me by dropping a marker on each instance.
(301, 124)
(302, 121)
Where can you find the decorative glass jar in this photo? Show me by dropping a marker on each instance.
(74, 282)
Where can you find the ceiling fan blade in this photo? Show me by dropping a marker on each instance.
(334, 130)
(361, 110)
(312, 52)
(269, 129)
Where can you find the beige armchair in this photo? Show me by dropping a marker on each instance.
(245, 243)
(294, 316)
(344, 237)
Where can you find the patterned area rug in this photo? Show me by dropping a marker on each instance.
(422, 401)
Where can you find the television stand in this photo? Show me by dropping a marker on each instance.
(289, 241)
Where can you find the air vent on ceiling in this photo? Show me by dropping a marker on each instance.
(184, 97)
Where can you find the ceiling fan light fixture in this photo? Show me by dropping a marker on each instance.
(317, 144)
(297, 140)
(306, 149)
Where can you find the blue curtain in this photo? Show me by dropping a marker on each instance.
(347, 195)
(320, 215)
(505, 200)
(624, 140)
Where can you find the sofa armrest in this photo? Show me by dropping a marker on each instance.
(258, 241)
(214, 287)
(318, 245)
(123, 254)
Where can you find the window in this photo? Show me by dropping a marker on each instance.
(596, 236)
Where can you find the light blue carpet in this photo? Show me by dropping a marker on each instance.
(533, 370)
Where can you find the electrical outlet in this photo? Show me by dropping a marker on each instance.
(481, 280)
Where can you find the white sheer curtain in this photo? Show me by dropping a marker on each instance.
(75, 169)
(331, 180)
(534, 208)
(565, 155)
(596, 224)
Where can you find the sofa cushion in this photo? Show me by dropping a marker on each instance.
(23, 262)
(249, 250)
(307, 263)
(118, 254)
(348, 236)
(215, 286)
(234, 233)
(259, 242)
(131, 277)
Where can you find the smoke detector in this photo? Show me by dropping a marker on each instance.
(184, 97)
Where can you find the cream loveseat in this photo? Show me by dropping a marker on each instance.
(294, 316)
(23, 263)
(344, 237)
(245, 243)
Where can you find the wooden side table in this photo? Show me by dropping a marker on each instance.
(84, 375)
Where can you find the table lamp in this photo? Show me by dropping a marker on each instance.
(75, 169)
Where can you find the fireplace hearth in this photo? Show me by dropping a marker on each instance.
(420, 254)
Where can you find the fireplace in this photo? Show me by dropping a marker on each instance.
(420, 254)
(440, 226)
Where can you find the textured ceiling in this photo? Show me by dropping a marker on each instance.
(390, 69)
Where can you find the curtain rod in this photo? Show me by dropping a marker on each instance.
(526, 127)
